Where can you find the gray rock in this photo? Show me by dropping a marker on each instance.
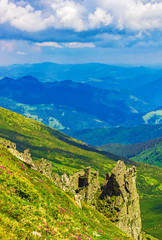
(121, 198)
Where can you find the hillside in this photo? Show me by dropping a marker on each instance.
(151, 117)
(152, 155)
(57, 116)
(66, 153)
(69, 155)
(32, 207)
(131, 150)
(122, 135)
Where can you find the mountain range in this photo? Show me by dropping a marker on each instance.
(96, 74)
(108, 107)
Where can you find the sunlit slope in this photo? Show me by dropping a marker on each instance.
(67, 154)
(151, 155)
(32, 207)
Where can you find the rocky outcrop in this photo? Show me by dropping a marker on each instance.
(44, 166)
(83, 184)
(24, 157)
(122, 200)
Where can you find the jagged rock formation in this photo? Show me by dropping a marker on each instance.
(122, 200)
(83, 184)
(24, 157)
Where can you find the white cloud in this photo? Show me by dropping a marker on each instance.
(133, 15)
(99, 18)
(24, 18)
(79, 45)
(69, 14)
(49, 44)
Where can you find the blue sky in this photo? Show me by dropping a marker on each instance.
(70, 31)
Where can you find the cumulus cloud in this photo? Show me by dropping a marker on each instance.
(98, 18)
(69, 14)
(24, 18)
(78, 15)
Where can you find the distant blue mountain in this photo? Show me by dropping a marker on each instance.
(151, 92)
(94, 74)
(111, 106)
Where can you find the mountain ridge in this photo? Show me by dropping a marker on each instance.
(111, 106)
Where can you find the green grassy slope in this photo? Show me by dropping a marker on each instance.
(69, 155)
(147, 152)
(151, 155)
(30, 205)
(66, 154)
(151, 216)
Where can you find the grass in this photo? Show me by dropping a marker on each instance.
(130, 150)
(69, 155)
(151, 216)
(152, 155)
(32, 207)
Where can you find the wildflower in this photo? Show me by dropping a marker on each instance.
(2, 167)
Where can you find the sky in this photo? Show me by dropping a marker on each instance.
(79, 31)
